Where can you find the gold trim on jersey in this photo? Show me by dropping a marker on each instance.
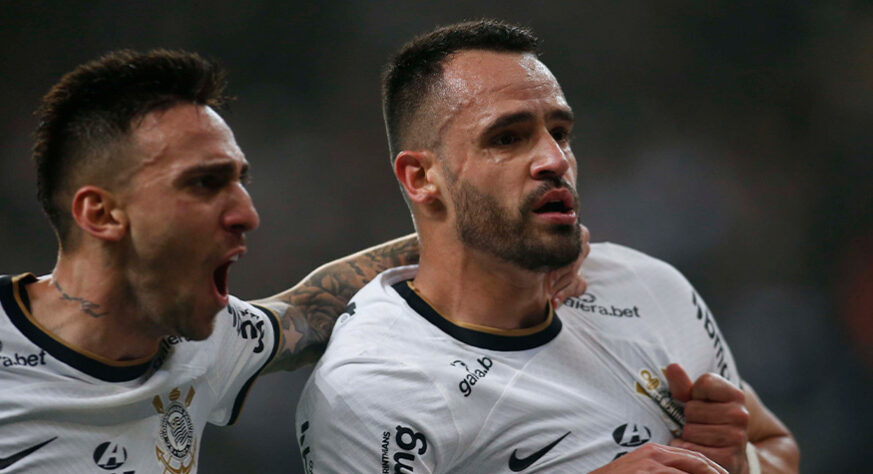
(16, 292)
(489, 329)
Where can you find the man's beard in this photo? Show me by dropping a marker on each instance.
(483, 224)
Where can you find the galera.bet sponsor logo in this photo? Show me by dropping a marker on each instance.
(588, 303)
(16, 359)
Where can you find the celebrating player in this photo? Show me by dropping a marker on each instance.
(119, 357)
(460, 364)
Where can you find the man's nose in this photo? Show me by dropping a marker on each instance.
(241, 215)
(551, 159)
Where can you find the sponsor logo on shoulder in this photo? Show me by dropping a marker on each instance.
(248, 326)
(704, 315)
(474, 373)
(589, 304)
(305, 450)
(22, 359)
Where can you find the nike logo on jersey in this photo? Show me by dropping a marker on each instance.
(8, 461)
(517, 464)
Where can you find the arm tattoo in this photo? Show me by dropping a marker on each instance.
(308, 311)
(88, 307)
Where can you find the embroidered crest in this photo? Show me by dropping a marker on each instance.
(179, 451)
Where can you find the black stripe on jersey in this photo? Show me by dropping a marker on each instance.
(81, 362)
(483, 340)
(244, 392)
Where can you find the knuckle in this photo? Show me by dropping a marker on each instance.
(740, 416)
(647, 449)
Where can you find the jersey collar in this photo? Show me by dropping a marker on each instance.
(517, 340)
(16, 304)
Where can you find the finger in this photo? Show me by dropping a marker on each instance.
(716, 413)
(586, 241)
(685, 460)
(729, 459)
(576, 287)
(713, 387)
(717, 436)
(680, 383)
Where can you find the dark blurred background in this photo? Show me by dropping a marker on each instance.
(731, 138)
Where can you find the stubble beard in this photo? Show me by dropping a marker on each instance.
(482, 223)
(169, 306)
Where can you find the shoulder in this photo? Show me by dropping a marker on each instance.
(240, 315)
(609, 261)
(376, 349)
(375, 318)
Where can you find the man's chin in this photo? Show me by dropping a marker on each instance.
(551, 253)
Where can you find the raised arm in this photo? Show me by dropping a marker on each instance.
(308, 310)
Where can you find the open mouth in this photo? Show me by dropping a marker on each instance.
(553, 206)
(219, 277)
(558, 201)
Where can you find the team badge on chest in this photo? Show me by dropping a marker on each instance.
(177, 447)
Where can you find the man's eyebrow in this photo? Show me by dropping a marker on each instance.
(227, 168)
(512, 119)
(562, 114)
(507, 120)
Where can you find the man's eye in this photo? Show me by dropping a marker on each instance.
(245, 179)
(561, 135)
(505, 139)
(207, 182)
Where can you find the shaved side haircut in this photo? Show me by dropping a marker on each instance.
(415, 74)
(85, 120)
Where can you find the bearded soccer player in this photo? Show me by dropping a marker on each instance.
(117, 359)
(460, 364)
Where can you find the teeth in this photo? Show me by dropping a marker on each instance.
(234, 258)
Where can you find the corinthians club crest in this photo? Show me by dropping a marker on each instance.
(177, 433)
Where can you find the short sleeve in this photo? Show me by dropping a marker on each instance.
(372, 415)
(247, 338)
(693, 335)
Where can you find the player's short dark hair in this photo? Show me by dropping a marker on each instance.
(95, 106)
(418, 66)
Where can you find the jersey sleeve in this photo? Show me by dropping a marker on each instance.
(682, 323)
(692, 333)
(371, 415)
(247, 338)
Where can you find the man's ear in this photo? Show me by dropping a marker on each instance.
(96, 212)
(414, 169)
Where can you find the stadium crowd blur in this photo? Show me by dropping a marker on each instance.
(733, 139)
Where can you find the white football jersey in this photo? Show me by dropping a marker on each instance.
(63, 410)
(401, 389)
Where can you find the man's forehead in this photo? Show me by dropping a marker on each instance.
(484, 85)
(185, 131)
(475, 72)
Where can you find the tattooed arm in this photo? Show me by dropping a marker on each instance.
(308, 310)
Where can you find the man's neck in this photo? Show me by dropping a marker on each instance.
(82, 303)
(467, 286)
